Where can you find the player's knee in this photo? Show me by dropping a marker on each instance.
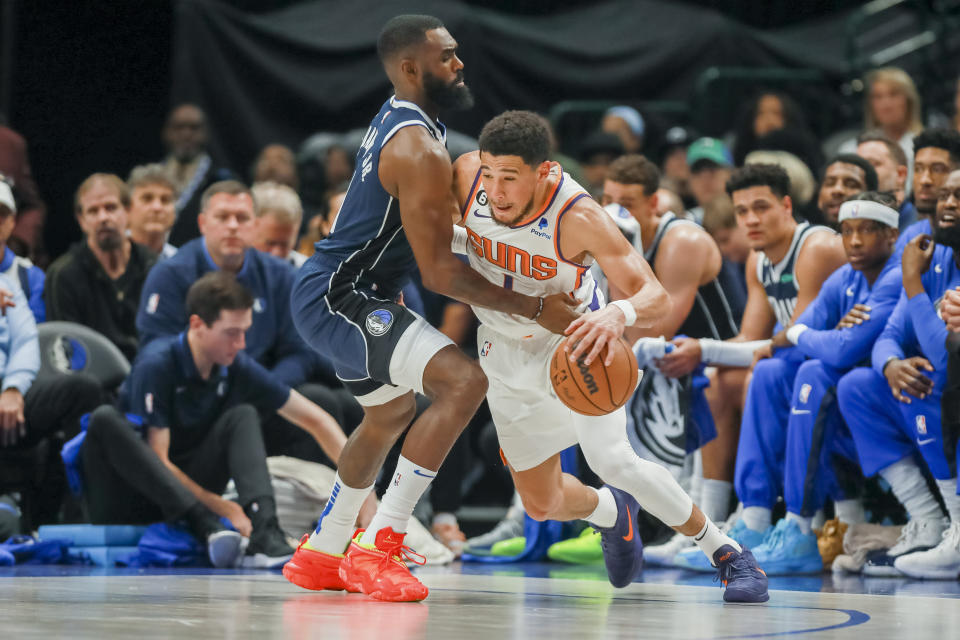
(768, 370)
(468, 383)
(105, 421)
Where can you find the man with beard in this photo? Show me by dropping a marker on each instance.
(893, 408)
(530, 227)
(845, 176)
(190, 166)
(938, 152)
(396, 216)
(98, 282)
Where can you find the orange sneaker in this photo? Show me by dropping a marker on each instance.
(316, 570)
(379, 571)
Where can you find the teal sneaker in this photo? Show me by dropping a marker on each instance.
(693, 559)
(787, 550)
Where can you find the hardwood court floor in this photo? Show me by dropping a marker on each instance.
(466, 603)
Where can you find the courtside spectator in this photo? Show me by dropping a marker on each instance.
(227, 222)
(710, 167)
(32, 409)
(152, 210)
(890, 163)
(97, 283)
(15, 165)
(277, 225)
(190, 166)
(276, 163)
(20, 271)
(627, 124)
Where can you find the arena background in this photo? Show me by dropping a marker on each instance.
(88, 84)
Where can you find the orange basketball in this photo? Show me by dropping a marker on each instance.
(595, 390)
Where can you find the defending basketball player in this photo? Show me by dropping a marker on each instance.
(395, 217)
(530, 228)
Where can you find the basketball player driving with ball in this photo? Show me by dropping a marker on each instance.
(528, 227)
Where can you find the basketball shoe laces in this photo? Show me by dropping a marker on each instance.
(403, 553)
(727, 570)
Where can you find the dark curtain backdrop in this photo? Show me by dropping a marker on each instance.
(279, 76)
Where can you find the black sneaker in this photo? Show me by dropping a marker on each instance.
(268, 548)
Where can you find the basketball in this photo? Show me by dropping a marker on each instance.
(597, 389)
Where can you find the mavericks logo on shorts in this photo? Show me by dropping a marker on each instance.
(379, 321)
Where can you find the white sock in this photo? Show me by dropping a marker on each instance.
(409, 482)
(910, 488)
(339, 518)
(757, 518)
(805, 524)
(849, 511)
(715, 499)
(710, 538)
(605, 515)
(948, 490)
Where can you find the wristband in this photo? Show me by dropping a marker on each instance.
(539, 311)
(793, 333)
(629, 313)
(458, 244)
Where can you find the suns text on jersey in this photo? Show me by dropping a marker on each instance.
(512, 259)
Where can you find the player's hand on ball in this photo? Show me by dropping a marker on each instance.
(684, 358)
(950, 310)
(906, 377)
(859, 314)
(590, 332)
(559, 310)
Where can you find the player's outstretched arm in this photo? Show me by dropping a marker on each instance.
(416, 170)
(587, 230)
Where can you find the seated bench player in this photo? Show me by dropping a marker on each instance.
(198, 395)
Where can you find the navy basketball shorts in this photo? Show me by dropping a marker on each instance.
(379, 348)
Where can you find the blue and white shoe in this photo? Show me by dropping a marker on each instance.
(787, 550)
(743, 579)
(693, 559)
(622, 548)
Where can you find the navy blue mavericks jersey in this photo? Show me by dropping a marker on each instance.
(367, 248)
(780, 280)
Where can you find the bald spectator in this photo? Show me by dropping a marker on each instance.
(97, 283)
(277, 225)
(190, 166)
(668, 200)
(152, 210)
(20, 272)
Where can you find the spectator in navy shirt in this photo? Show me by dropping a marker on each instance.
(197, 394)
(227, 224)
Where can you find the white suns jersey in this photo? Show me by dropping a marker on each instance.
(526, 257)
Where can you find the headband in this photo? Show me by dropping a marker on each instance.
(871, 211)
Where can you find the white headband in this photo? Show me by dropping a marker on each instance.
(871, 211)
